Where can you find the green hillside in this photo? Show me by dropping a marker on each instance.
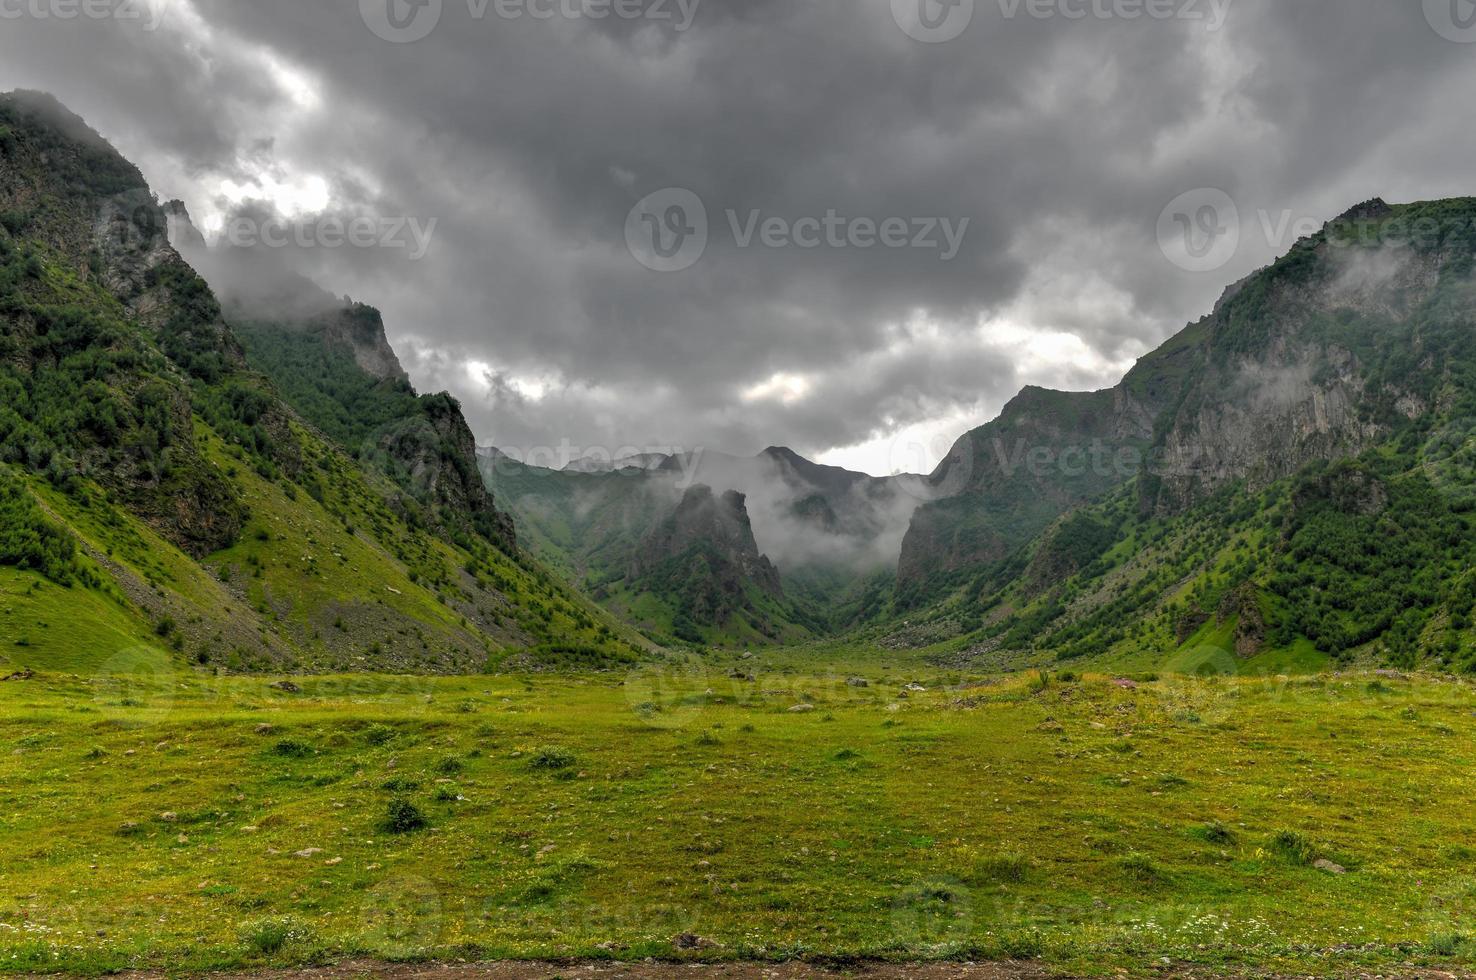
(160, 497)
(1271, 525)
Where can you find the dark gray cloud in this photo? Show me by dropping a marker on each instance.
(529, 140)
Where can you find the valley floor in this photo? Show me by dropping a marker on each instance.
(514, 970)
(181, 821)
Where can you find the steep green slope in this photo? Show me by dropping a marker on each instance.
(338, 371)
(1308, 495)
(164, 503)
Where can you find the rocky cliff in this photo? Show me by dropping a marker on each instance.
(1291, 367)
(334, 364)
(704, 556)
(1002, 484)
(160, 490)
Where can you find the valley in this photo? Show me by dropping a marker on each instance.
(1175, 674)
(1089, 823)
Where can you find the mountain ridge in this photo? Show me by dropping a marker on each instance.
(174, 512)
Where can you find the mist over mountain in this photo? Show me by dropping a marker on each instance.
(686, 490)
(1190, 504)
(193, 486)
(260, 283)
(1046, 531)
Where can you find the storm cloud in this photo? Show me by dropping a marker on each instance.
(528, 130)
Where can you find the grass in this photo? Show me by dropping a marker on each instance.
(215, 822)
(69, 629)
(338, 583)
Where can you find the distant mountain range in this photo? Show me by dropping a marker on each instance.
(832, 536)
(239, 476)
(1288, 480)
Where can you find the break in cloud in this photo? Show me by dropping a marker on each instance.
(528, 140)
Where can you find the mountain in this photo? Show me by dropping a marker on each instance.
(333, 364)
(641, 461)
(832, 534)
(167, 506)
(1004, 483)
(1288, 480)
(242, 478)
(704, 561)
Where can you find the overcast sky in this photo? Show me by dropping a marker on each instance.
(1029, 154)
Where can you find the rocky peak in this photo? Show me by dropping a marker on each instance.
(434, 456)
(1284, 372)
(182, 230)
(1374, 209)
(359, 331)
(705, 551)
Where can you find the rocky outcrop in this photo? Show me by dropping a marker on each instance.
(358, 331)
(433, 456)
(67, 190)
(704, 558)
(1292, 367)
(816, 513)
(705, 519)
(428, 450)
(1048, 453)
(1243, 605)
(1288, 368)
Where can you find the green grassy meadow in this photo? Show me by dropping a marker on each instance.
(170, 818)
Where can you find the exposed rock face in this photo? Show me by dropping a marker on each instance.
(1002, 484)
(358, 330)
(1278, 389)
(705, 519)
(705, 557)
(1268, 420)
(63, 185)
(1286, 371)
(1243, 605)
(430, 450)
(435, 455)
